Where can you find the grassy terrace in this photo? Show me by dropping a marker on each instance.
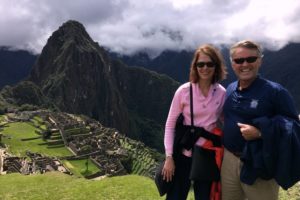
(15, 133)
(79, 167)
(38, 122)
(143, 160)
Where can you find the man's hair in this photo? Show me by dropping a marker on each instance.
(248, 44)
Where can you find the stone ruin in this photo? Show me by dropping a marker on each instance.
(85, 138)
(35, 164)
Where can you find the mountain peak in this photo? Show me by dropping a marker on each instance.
(71, 30)
(67, 48)
(72, 23)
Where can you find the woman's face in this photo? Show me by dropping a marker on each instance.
(205, 67)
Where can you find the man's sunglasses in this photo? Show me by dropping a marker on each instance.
(202, 64)
(250, 59)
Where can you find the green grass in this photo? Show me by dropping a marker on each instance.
(59, 186)
(56, 185)
(43, 127)
(2, 120)
(78, 167)
(16, 131)
(292, 193)
(76, 131)
(35, 122)
(37, 118)
(38, 122)
(2, 117)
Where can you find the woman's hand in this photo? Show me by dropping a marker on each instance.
(169, 169)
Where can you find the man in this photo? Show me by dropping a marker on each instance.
(261, 131)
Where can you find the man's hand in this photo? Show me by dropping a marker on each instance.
(249, 132)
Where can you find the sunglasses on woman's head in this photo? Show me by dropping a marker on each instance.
(202, 64)
(250, 59)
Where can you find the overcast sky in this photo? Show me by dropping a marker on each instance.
(128, 26)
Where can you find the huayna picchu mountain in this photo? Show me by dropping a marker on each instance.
(78, 76)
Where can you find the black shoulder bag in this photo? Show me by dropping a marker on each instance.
(204, 166)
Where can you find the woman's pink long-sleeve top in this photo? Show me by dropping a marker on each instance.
(207, 111)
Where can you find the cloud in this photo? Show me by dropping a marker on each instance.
(129, 26)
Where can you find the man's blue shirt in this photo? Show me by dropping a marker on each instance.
(263, 98)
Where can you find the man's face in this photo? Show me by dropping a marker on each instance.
(244, 64)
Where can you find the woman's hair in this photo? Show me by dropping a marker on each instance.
(248, 44)
(217, 59)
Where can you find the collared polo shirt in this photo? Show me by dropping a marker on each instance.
(206, 110)
(263, 98)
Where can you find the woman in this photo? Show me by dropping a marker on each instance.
(207, 69)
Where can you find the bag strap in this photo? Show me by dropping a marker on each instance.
(191, 107)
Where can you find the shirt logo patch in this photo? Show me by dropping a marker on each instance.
(254, 103)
